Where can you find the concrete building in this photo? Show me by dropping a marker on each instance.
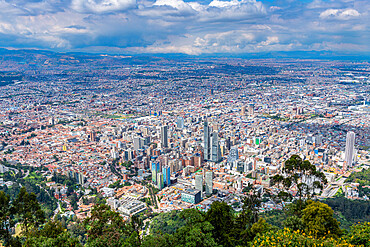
(209, 182)
(215, 148)
(350, 149)
(199, 183)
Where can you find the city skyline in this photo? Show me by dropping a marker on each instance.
(152, 137)
(184, 123)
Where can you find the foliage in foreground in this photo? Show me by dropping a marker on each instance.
(305, 222)
(310, 224)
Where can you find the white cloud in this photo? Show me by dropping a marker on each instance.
(270, 40)
(233, 10)
(341, 14)
(177, 4)
(237, 39)
(225, 4)
(186, 26)
(96, 6)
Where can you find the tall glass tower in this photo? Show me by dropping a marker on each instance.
(215, 148)
(164, 136)
(207, 142)
(167, 175)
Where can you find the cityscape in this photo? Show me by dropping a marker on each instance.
(153, 134)
(173, 123)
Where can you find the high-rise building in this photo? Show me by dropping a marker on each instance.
(92, 136)
(242, 111)
(51, 121)
(209, 182)
(350, 148)
(199, 182)
(251, 109)
(160, 182)
(81, 179)
(215, 148)
(155, 171)
(239, 184)
(167, 175)
(228, 143)
(318, 140)
(128, 155)
(164, 136)
(234, 154)
(138, 143)
(180, 123)
(206, 141)
(114, 153)
(146, 140)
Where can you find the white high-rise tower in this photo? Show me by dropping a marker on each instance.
(350, 148)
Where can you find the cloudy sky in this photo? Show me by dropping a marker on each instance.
(190, 26)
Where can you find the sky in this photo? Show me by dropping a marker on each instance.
(191, 27)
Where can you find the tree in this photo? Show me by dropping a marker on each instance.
(318, 220)
(251, 206)
(28, 210)
(52, 234)
(299, 173)
(77, 231)
(134, 227)
(197, 232)
(247, 217)
(260, 227)
(290, 238)
(360, 234)
(105, 227)
(6, 219)
(221, 217)
(164, 240)
(294, 223)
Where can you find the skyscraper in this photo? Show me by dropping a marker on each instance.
(199, 182)
(92, 136)
(138, 143)
(350, 148)
(167, 175)
(206, 140)
(164, 136)
(251, 109)
(234, 154)
(209, 182)
(180, 123)
(81, 179)
(160, 183)
(242, 111)
(114, 153)
(215, 148)
(155, 171)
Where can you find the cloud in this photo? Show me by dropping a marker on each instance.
(101, 6)
(177, 4)
(270, 40)
(230, 40)
(185, 26)
(340, 14)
